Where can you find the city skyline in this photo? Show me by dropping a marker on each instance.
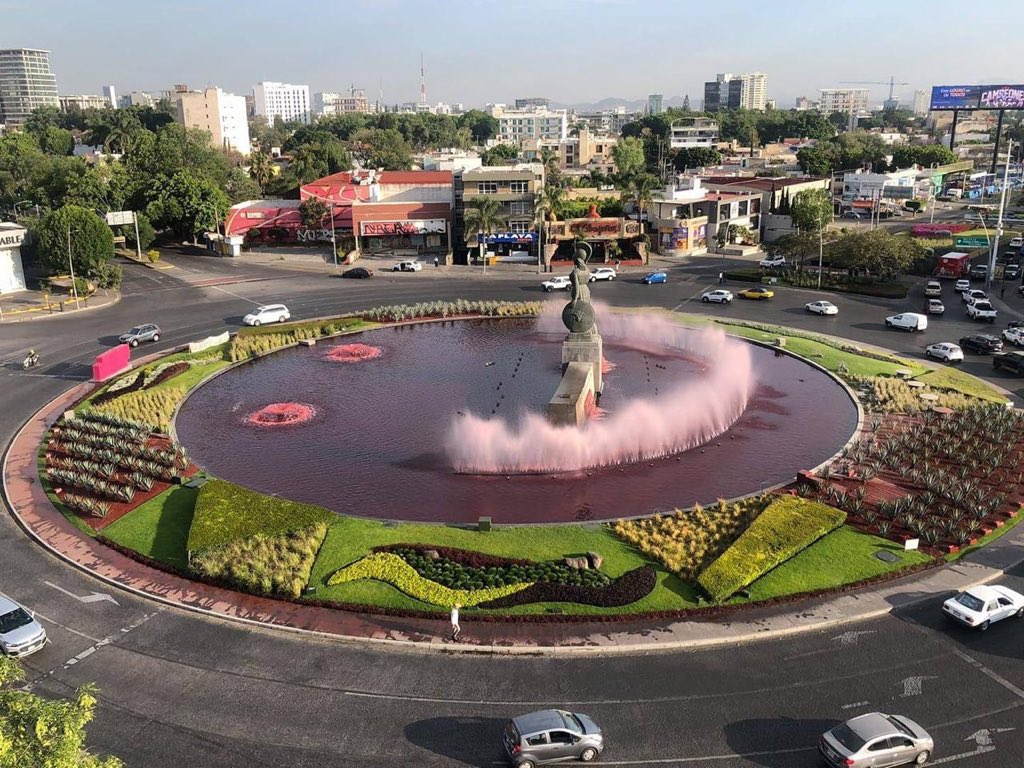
(141, 47)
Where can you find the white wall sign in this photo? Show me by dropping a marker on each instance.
(209, 341)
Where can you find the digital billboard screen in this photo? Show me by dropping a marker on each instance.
(956, 96)
(1002, 97)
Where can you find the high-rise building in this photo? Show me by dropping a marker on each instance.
(110, 94)
(282, 101)
(655, 104)
(922, 101)
(852, 101)
(729, 91)
(803, 103)
(533, 101)
(514, 125)
(328, 103)
(26, 83)
(222, 115)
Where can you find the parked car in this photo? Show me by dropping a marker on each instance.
(20, 633)
(558, 283)
(962, 285)
(772, 262)
(552, 736)
(981, 606)
(718, 296)
(982, 310)
(1014, 336)
(908, 321)
(140, 333)
(407, 266)
(268, 313)
(933, 288)
(876, 739)
(654, 277)
(358, 273)
(935, 307)
(978, 271)
(822, 308)
(1009, 361)
(981, 343)
(851, 215)
(757, 292)
(969, 297)
(946, 351)
(602, 273)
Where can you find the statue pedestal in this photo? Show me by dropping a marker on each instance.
(585, 348)
(568, 406)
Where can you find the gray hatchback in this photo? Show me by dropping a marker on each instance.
(875, 740)
(552, 736)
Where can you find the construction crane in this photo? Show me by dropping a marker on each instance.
(892, 85)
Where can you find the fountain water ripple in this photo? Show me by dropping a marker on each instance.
(682, 417)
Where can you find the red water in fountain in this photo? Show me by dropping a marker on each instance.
(607, 366)
(281, 415)
(353, 353)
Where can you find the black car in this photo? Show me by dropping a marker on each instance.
(1011, 271)
(978, 271)
(1009, 361)
(982, 343)
(357, 273)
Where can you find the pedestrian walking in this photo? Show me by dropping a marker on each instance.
(455, 622)
(435, 262)
(721, 277)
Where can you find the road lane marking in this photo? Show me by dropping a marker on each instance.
(990, 673)
(912, 686)
(230, 293)
(855, 705)
(92, 597)
(66, 628)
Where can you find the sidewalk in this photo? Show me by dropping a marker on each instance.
(31, 305)
(34, 512)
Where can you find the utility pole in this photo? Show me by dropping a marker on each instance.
(821, 249)
(999, 221)
(71, 267)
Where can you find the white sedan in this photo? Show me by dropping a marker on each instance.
(822, 307)
(407, 266)
(1014, 336)
(20, 633)
(946, 350)
(718, 296)
(559, 283)
(602, 273)
(980, 606)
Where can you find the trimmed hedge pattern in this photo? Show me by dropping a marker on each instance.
(393, 570)
(788, 525)
(631, 586)
(226, 512)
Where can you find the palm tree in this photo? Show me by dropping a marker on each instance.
(484, 216)
(548, 203)
(121, 127)
(261, 169)
(640, 189)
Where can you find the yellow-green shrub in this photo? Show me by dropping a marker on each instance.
(152, 406)
(393, 570)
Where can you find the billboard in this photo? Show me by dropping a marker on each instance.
(945, 97)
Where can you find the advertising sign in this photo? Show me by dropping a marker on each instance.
(978, 97)
(118, 218)
(597, 229)
(408, 227)
(1002, 97)
(680, 238)
(898, 193)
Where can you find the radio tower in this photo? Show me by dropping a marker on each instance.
(423, 83)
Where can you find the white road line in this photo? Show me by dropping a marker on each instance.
(855, 705)
(990, 673)
(231, 293)
(66, 628)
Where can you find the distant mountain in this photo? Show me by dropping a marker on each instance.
(631, 105)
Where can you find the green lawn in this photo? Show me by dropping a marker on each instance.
(845, 555)
(948, 377)
(159, 527)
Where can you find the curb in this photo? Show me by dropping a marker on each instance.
(116, 298)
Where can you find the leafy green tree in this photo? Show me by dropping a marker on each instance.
(818, 160)
(44, 733)
(550, 203)
(628, 154)
(925, 155)
(91, 241)
(877, 252)
(313, 211)
(43, 118)
(239, 187)
(839, 120)
(859, 149)
(484, 216)
(499, 154)
(382, 148)
(261, 169)
(188, 204)
(696, 157)
(102, 187)
(146, 233)
(482, 125)
(56, 141)
(812, 209)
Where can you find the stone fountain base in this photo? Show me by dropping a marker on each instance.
(568, 406)
(585, 348)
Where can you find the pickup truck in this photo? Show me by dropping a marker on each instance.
(981, 310)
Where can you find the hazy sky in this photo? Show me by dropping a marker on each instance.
(479, 51)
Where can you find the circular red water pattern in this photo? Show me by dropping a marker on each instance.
(281, 415)
(353, 353)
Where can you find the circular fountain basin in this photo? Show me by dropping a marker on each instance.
(377, 445)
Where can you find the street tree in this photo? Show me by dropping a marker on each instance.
(811, 210)
(876, 252)
(188, 204)
(382, 148)
(499, 154)
(628, 154)
(78, 231)
(482, 125)
(818, 160)
(261, 169)
(484, 217)
(696, 157)
(313, 211)
(641, 188)
(925, 155)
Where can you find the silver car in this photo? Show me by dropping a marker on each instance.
(147, 332)
(552, 736)
(20, 633)
(876, 740)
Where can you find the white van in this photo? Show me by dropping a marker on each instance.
(908, 321)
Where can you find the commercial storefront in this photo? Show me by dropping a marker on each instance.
(421, 235)
(12, 275)
(612, 239)
(683, 237)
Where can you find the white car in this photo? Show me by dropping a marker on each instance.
(407, 266)
(933, 289)
(962, 285)
(908, 321)
(602, 273)
(268, 313)
(718, 296)
(980, 606)
(772, 262)
(20, 633)
(822, 307)
(970, 297)
(982, 310)
(559, 283)
(1017, 242)
(1014, 336)
(946, 351)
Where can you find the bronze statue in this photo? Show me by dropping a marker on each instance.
(578, 315)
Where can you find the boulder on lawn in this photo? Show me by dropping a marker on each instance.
(433, 554)
(595, 560)
(579, 563)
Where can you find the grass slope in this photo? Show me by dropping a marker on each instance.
(159, 527)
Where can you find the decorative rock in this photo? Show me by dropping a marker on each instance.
(579, 563)
(307, 342)
(595, 560)
(433, 554)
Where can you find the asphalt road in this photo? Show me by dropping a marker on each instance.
(177, 689)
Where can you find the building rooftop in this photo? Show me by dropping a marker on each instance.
(765, 184)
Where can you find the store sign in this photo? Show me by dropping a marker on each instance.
(898, 193)
(597, 229)
(11, 239)
(409, 227)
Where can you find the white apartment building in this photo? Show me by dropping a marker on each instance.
(26, 83)
(516, 125)
(81, 102)
(922, 100)
(690, 132)
(282, 101)
(852, 101)
(222, 115)
(329, 103)
(729, 91)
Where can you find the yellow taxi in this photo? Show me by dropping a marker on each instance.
(757, 292)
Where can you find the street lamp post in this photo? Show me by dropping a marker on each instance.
(71, 268)
(821, 249)
(999, 221)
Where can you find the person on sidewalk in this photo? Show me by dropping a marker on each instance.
(455, 622)
(435, 262)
